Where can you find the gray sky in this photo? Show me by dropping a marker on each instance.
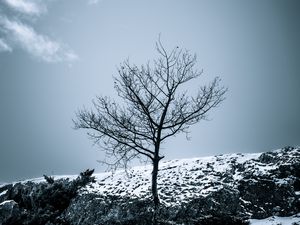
(56, 56)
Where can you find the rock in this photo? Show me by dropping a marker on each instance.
(94, 209)
(268, 157)
(4, 192)
(9, 212)
(287, 170)
(224, 220)
(229, 190)
(39, 203)
(263, 198)
(219, 204)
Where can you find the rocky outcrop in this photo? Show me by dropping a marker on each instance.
(9, 212)
(226, 189)
(39, 203)
(258, 187)
(94, 209)
(264, 197)
(218, 208)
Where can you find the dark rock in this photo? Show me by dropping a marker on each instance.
(288, 148)
(94, 209)
(222, 203)
(263, 198)
(9, 212)
(258, 195)
(224, 220)
(268, 157)
(297, 184)
(4, 190)
(40, 203)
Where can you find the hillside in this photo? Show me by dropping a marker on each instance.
(223, 189)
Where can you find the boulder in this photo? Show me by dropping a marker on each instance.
(262, 198)
(90, 208)
(9, 212)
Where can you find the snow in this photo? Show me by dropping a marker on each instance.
(3, 193)
(3, 184)
(275, 220)
(42, 179)
(7, 201)
(194, 177)
(56, 177)
(182, 180)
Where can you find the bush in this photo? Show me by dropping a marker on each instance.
(43, 203)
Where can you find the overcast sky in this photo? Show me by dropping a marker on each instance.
(57, 55)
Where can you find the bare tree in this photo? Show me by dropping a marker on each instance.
(155, 108)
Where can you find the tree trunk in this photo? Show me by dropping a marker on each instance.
(154, 190)
(154, 183)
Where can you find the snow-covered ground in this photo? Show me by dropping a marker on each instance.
(193, 177)
(182, 180)
(275, 220)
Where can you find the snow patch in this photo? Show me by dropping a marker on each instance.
(7, 201)
(275, 220)
(3, 193)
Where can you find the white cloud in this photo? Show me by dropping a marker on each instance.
(4, 47)
(27, 6)
(36, 44)
(17, 31)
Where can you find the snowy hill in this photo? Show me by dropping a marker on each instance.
(185, 179)
(237, 187)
